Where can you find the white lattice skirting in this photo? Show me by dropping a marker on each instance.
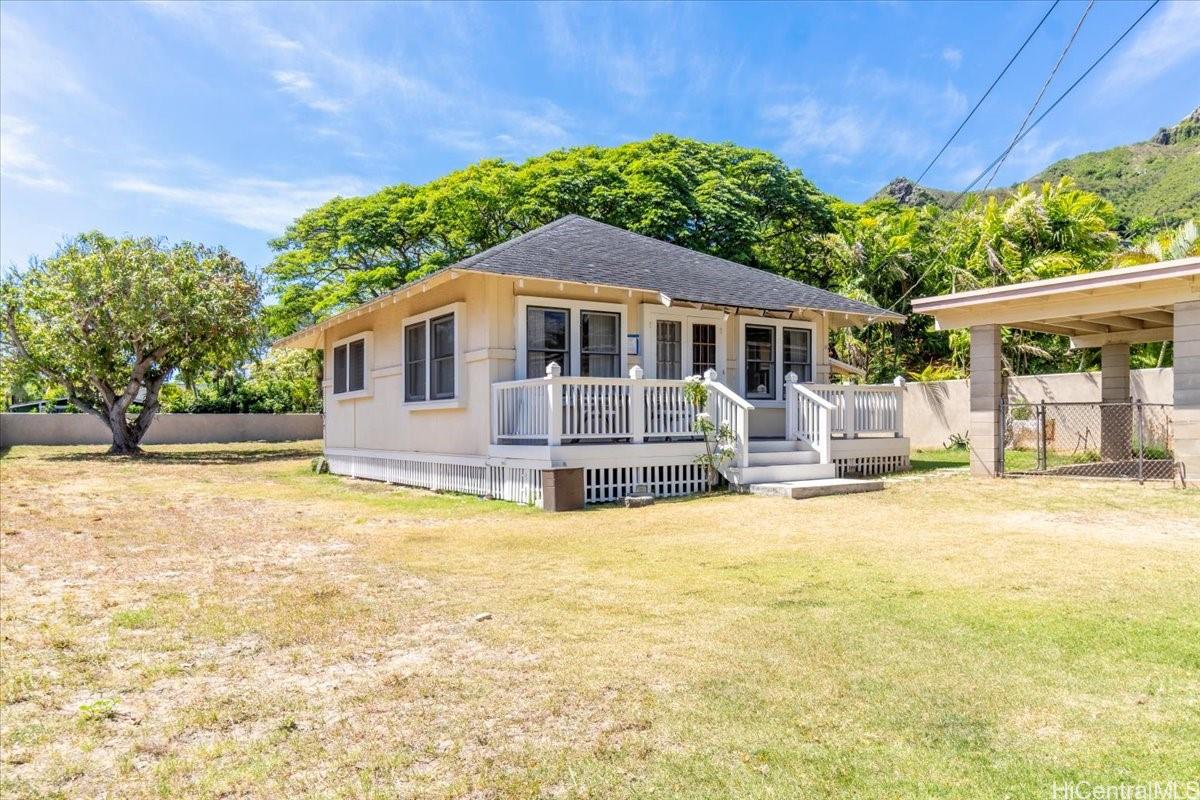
(473, 475)
(870, 465)
(443, 474)
(609, 484)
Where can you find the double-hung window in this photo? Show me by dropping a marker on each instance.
(548, 340)
(797, 353)
(760, 362)
(431, 358)
(350, 366)
(599, 344)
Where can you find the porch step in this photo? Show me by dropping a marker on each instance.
(774, 446)
(799, 490)
(775, 473)
(773, 457)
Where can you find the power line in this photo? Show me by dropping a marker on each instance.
(1061, 97)
(1041, 94)
(1018, 139)
(970, 114)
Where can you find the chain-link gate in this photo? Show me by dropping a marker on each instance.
(1126, 441)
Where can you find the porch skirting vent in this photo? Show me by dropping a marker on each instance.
(610, 484)
(465, 474)
(864, 466)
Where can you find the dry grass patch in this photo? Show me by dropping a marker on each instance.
(220, 622)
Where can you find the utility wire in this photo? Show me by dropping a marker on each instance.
(971, 113)
(1061, 97)
(1041, 94)
(1018, 139)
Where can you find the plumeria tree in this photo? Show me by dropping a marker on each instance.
(110, 320)
(718, 437)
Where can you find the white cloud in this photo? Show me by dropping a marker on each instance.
(19, 160)
(840, 133)
(1169, 38)
(259, 204)
(952, 56)
(292, 80)
(301, 86)
(810, 126)
(520, 134)
(33, 68)
(632, 58)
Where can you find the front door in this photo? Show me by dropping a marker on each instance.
(684, 347)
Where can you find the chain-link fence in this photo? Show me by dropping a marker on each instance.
(1127, 441)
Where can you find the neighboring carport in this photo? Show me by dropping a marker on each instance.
(1110, 310)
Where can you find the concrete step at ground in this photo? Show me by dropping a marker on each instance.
(799, 490)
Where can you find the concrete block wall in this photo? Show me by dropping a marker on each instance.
(70, 429)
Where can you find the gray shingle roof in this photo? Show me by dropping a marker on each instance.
(581, 250)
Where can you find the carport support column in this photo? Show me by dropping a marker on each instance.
(1187, 389)
(987, 390)
(1116, 422)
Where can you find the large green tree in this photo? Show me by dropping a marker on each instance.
(730, 201)
(111, 319)
(887, 254)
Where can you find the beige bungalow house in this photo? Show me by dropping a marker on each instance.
(551, 368)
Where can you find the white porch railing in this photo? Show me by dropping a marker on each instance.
(808, 417)
(858, 409)
(557, 408)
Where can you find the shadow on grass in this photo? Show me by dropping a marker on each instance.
(194, 457)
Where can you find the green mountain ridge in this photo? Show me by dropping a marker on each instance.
(1152, 184)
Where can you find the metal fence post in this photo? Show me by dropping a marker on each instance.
(1041, 427)
(1003, 434)
(1141, 434)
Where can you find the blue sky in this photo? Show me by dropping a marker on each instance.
(220, 123)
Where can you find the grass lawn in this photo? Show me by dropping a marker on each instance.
(222, 623)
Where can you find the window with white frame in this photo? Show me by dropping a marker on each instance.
(431, 357)
(547, 340)
(599, 344)
(760, 362)
(350, 365)
(584, 337)
(797, 353)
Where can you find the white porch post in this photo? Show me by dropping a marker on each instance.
(637, 406)
(554, 399)
(987, 391)
(791, 406)
(1116, 422)
(1187, 389)
(849, 412)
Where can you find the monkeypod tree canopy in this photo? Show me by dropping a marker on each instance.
(111, 319)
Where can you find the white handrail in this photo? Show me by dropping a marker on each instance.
(726, 406)
(808, 418)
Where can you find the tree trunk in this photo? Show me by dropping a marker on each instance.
(125, 437)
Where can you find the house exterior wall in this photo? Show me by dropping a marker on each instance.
(489, 351)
